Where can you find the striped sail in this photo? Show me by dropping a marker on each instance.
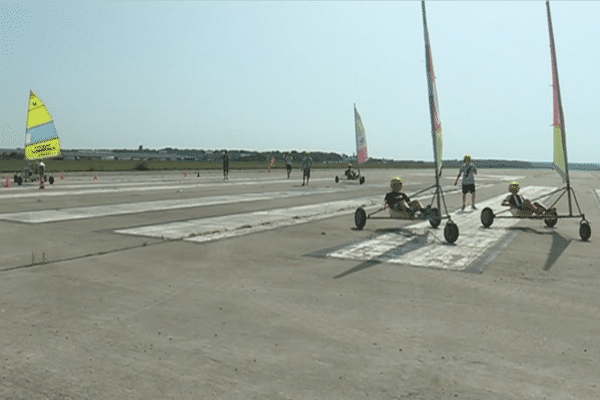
(41, 138)
(560, 143)
(361, 138)
(436, 124)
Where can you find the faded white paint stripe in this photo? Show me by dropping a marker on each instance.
(420, 246)
(36, 217)
(597, 196)
(208, 229)
(52, 191)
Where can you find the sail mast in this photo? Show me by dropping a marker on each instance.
(561, 163)
(436, 127)
(27, 125)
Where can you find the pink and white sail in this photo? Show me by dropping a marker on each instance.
(361, 139)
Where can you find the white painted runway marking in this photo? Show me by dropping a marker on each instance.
(485, 177)
(420, 246)
(209, 229)
(37, 217)
(597, 196)
(94, 189)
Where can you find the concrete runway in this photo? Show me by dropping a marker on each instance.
(154, 286)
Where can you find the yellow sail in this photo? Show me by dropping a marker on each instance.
(41, 137)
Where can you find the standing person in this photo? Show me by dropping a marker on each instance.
(288, 163)
(42, 169)
(272, 165)
(225, 166)
(306, 164)
(468, 183)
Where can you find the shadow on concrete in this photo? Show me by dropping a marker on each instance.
(558, 247)
(529, 230)
(417, 242)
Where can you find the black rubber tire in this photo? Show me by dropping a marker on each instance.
(360, 218)
(487, 217)
(45, 178)
(451, 232)
(19, 181)
(362, 180)
(435, 218)
(550, 222)
(337, 179)
(51, 180)
(585, 231)
(16, 178)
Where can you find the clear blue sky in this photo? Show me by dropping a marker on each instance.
(284, 75)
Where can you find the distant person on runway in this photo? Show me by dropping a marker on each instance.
(468, 183)
(42, 169)
(350, 173)
(306, 164)
(225, 166)
(288, 163)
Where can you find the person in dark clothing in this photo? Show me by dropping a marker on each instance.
(398, 201)
(225, 166)
(306, 164)
(517, 202)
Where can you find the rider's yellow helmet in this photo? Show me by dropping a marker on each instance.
(514, 185)
(467, 158)
(396, 182)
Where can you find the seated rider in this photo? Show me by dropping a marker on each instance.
(399, 201)
(517, 202)
(350, 174)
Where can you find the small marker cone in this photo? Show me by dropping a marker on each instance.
(185, 174)
(95, 177)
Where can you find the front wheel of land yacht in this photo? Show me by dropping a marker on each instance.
(361, 180)
(585, 231)
(435, 218)
(550, 222)
(51, 180)
(360, 218)
(451, 232)
(337, 179)
(487, 217)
